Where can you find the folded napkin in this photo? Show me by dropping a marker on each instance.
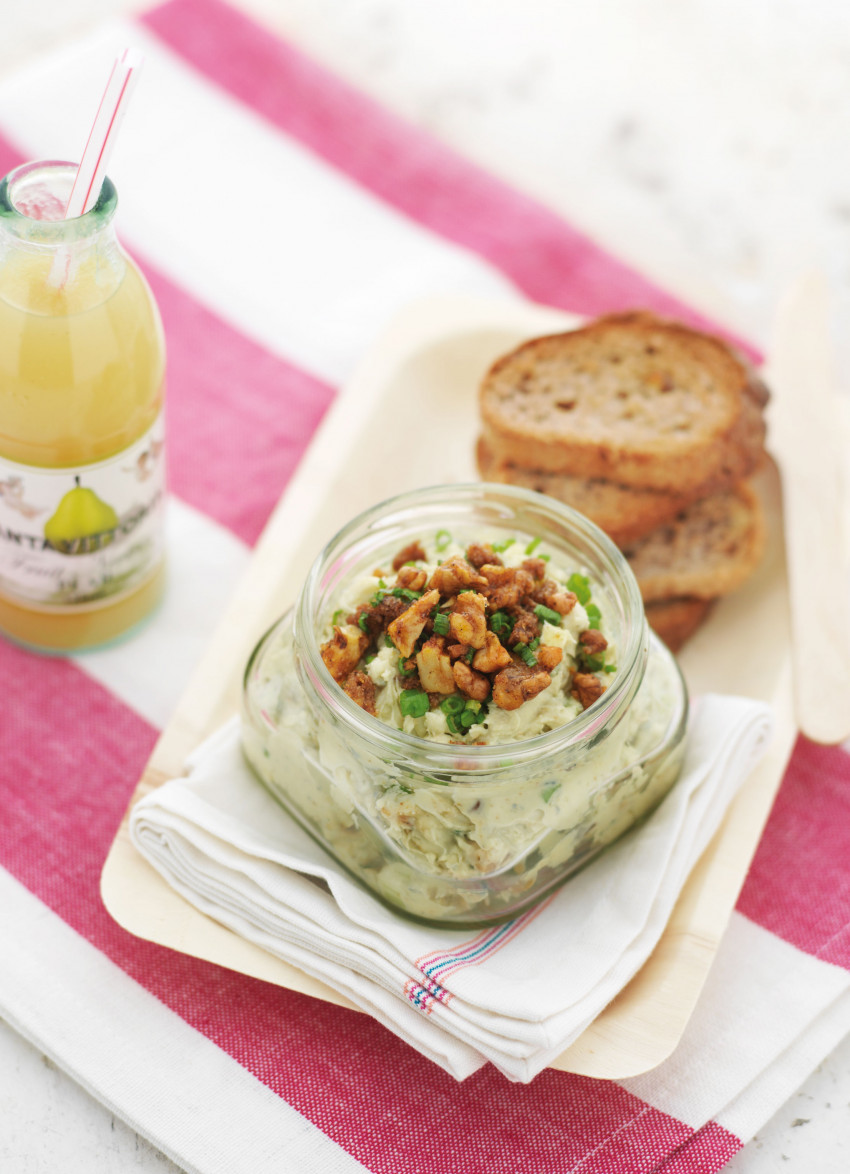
(516, 994)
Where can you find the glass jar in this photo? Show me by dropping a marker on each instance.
(81, 433)
(449, 834)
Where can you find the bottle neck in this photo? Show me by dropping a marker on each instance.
(49, 265)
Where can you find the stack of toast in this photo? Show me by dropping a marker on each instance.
(652, 430)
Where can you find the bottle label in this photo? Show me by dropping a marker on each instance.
(82, 537)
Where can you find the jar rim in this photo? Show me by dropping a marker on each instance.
(31, 229)
(632, 652)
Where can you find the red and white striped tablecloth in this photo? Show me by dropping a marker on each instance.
(281, 219)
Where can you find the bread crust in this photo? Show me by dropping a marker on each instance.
(676, 620)
(626, 513)
(630, 398)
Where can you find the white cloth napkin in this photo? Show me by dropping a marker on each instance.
(517, 994)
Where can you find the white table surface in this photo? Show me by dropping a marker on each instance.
(706, 141)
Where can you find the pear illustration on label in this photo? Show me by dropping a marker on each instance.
(82, 522)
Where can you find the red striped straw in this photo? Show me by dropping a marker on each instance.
(104, 131)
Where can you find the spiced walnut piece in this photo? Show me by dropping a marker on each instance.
(361, 689)
(518, 683)
(586, 688)
(593, 642)
(406, 629)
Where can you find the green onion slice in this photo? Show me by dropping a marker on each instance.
(501, 623)
(580, 587)
(413, 703)
(548, 614)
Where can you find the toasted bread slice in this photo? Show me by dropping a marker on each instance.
(676, 620)
(630, 398)
(709, 550)
(623, 512)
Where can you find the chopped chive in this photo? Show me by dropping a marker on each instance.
(522, 650)
(442, 539)
(363, 623)
(388, 641)
(470, 655)
(335, 618)
(594, 616)
(370, 658)
(454, 703)
(406, 593)
(610, 668)
(402, 661)
(593, 663)
(545, 557)
(534, 644)
(548, 614)
(466, 719)
(451, 722)
(501, 547)
(532, 546)
(407, 790)
(441, 624)
(580, 587)
(501, 623)
(473, 706)
(549, 790)
(413, 703)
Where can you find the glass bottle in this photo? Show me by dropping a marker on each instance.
(82, 366)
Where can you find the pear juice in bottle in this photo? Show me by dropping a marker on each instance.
(81, 443)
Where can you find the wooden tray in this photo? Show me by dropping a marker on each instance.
(408, 419)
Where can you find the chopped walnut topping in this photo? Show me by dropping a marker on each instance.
(411, 553)
(405, 630)
(342, 652)
(378, 615)
(526, 627)
(549, 656)
(456, 651)
(478, 554)
(435, 667)
(445, 644)
(586, 688)
(505, 585)
(361, 689)
(411, 578)
(473, 684)
(492, 657)
(454, 573)
(535, 567)
(468, 619)
(517, 684)
(592, 642)
(551, 594)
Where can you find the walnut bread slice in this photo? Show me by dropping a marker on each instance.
(630, 398)
(623, 512)
(709, 550)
